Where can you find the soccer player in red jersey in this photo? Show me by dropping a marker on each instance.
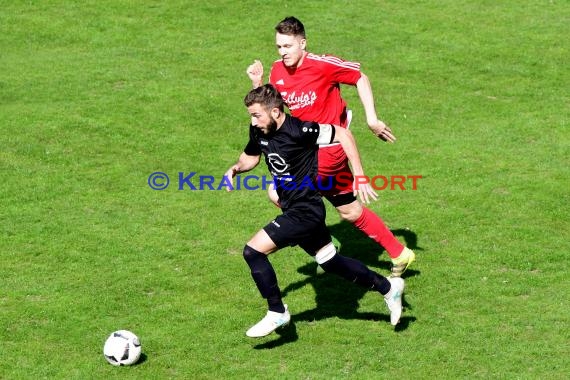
(310, 87)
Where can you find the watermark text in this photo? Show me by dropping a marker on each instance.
(343, 181)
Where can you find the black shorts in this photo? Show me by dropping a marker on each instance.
(302, 226)
(338, 200)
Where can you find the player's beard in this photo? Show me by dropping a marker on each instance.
(271, 127)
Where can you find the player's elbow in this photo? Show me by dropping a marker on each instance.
(342, 135)
(252, 161)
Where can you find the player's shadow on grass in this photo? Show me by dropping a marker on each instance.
(357, 245)
(335, 297)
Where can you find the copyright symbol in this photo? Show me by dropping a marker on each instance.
(158, 181)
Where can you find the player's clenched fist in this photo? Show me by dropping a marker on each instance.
(255, 73)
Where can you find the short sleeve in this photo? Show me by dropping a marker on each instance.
(309, 133)
(341, 71)
(252, 148)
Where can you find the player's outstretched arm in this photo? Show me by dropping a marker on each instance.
(245, 163)
(361, 188)
(255, 73)
(378, 127)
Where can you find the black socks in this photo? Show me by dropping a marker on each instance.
(355, 271)
(265, 278)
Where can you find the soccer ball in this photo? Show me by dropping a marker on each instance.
(122, 348)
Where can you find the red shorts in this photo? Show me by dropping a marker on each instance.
(335, 175)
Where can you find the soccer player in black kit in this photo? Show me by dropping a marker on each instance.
(290, 149)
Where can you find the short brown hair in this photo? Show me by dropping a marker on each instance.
(291, 26)
(267, 96)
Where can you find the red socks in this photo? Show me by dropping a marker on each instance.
(374, 228)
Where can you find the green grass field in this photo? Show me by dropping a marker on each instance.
(97, 95)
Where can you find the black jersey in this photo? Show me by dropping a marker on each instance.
(291, 157)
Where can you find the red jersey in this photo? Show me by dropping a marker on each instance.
(312, 90)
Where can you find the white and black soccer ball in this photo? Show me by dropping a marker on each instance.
(122, 347)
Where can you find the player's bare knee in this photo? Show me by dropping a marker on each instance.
(350, 212)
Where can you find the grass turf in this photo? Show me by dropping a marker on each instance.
(95, 96)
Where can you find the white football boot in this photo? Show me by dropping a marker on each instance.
(271, 322)
(394, 299)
